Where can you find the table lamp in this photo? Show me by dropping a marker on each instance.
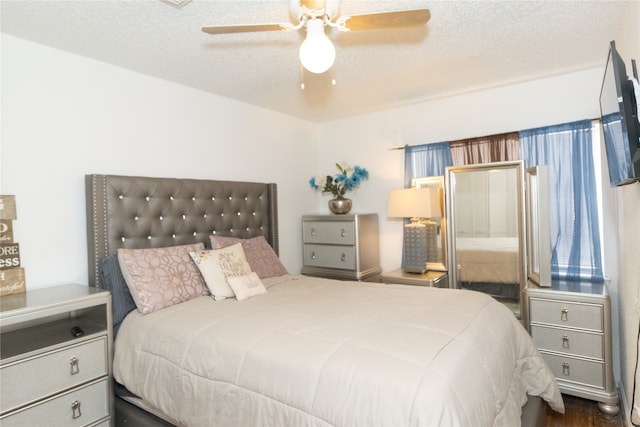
(419, 236)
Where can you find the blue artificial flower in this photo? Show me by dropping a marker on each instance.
(342, 182)
(312, 183)
(362, 172)
(352, 182)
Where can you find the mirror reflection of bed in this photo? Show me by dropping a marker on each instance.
(490, 265)
(486, 230)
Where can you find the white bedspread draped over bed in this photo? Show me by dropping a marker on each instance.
(317, 352)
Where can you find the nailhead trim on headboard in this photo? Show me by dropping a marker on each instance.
(142, 212)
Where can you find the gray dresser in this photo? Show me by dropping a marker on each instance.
(341, 246)
(570, 323)
(51, 376)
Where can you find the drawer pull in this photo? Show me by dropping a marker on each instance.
(343, 257)
(75, 409)
(313, 231)
(564, 314)
(74, 365)
(565, 369)
(343, 232)
(565, 341)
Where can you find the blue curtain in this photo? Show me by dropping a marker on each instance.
(575, 237)
(426, 160)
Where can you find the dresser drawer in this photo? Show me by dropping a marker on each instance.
(329, 232)
(343, 257)
(79, 407)
(568, 341)
(562, 313)
(52, 372)
(574, 370)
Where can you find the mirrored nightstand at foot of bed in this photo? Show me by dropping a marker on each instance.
(436, 279)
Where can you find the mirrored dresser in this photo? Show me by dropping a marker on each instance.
(55, 367)
(570, 323)
(341, 246)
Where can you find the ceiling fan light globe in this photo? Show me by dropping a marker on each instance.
(317, 53)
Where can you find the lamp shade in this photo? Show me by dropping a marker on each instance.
(413, 203)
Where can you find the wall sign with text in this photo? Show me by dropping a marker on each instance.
(12, 280)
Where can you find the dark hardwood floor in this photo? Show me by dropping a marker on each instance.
(581, 413)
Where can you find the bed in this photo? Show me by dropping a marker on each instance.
(306, 351)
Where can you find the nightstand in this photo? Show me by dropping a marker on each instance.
(436, 279)
(51, 375)
(341, 246)
(570, 322)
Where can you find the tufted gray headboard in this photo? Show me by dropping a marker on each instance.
(142, 212)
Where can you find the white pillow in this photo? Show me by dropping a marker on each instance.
(246, 286)
(217, 265)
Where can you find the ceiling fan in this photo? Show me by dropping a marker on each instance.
(317, 53)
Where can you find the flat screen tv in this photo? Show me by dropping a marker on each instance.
(619, 114)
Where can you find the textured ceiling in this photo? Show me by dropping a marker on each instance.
(466, 45)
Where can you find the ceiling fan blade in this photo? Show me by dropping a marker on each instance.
(377, 21)
(227, 29)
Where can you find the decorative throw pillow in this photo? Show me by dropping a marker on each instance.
(246, 286)
(260, 255)
(161, 277)
(217, 265)
(112, 280)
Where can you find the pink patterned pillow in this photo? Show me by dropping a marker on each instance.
(260, 256)
(161, 277)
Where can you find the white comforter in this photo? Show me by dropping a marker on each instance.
(317, 352)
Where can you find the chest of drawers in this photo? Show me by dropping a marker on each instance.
(341, 246)
(570, 323)
(49, 375)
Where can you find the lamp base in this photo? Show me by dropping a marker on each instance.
(414, 257)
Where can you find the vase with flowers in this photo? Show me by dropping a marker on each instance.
(347, 179)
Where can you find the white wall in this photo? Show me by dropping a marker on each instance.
(628, 285)
(64, 116)
(366, 139)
